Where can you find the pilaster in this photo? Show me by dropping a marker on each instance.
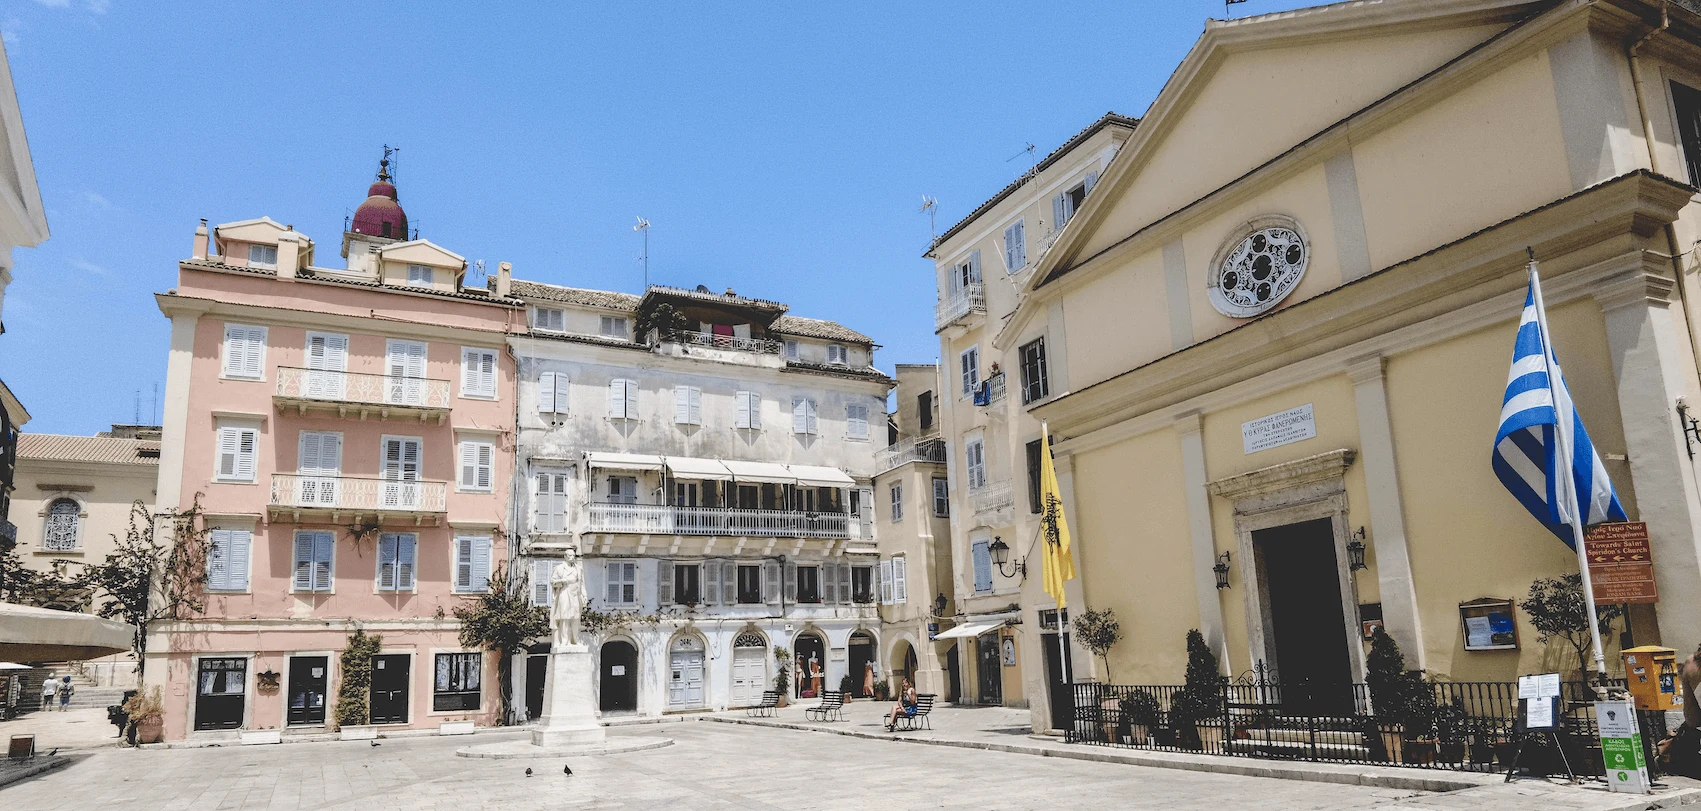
(1190, 425)
(1387, 510)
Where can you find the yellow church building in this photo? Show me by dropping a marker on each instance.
(1276, 333)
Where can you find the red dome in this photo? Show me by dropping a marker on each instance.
(381, 215)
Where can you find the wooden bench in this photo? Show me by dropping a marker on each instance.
(831, 708)
(923, 706)
(770, 701)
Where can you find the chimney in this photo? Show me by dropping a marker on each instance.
(289, 253)
(504, 279)
(200, 240)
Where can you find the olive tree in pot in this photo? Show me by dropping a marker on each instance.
(1558, 611)
(1139, 715)
(1097, 630)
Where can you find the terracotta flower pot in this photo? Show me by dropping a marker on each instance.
(150, 730)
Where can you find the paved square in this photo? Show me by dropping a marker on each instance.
(711, 765)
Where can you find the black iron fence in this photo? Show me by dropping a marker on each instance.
(1473, 726)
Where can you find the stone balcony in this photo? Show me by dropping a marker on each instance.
(359, 395)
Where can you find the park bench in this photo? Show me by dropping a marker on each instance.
(770, 701)
(832, 707)
(923, 706)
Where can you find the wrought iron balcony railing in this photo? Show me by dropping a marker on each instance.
(761, 346)
(357, 494)
(969, 300)
(366, 389)
(925, 449)
(665, 519)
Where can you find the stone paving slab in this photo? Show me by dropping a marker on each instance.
(76, 728)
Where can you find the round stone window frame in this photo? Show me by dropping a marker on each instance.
(1241, 233)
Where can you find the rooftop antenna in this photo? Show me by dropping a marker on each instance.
(153, 406)
(1032, 156)
(136, 417)
(1226, 3)
(644, 226)
(930, 207)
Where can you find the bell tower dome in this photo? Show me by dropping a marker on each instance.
(378, 221)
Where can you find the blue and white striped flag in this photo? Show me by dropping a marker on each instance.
(1538, 423)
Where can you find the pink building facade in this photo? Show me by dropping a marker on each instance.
(349, 433)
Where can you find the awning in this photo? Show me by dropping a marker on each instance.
(970, 629)
(623, 461)
(812, 476)
(685, 467)
(30, 634)
(764, 472)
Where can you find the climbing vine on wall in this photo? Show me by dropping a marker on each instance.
(354, 690)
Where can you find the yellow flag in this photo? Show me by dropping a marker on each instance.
(1059, 565)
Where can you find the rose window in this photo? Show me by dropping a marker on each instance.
(1259, 272)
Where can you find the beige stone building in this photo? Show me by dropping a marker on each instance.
(912, 509)
(999, 639)
(1378, 170)
(74, 492)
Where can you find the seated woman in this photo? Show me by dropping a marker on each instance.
(905, 705)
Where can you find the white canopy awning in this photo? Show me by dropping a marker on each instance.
(763, 472)
(969, 629)
(685, 467)
(622, 461)
(31, 634)
(812, 476)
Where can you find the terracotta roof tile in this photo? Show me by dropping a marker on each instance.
(816, 328)
(102, 449)
(605, 299)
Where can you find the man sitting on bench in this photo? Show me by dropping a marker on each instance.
(904, 707)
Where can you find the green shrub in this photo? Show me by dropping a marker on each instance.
(354, 687)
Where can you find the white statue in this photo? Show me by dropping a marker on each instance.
(567, 584)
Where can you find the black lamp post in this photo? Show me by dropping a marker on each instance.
(1355, 551)
(1222, 570)
(1001, 557)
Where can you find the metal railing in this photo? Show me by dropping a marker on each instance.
(665, 519)
(925, 449)
(994, 496)
(356, 387)
(307, 491)
(991, 391)
(761, 346)
(962, 302)
(1462, 726)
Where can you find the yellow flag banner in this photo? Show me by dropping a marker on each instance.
(1059, 565)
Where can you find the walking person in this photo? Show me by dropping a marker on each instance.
(49, 690)
(66, 688)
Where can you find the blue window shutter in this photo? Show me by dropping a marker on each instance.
(387, 561)
(983, 566)
(406, 549)
(322, 543)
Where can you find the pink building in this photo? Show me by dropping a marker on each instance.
(349, 432)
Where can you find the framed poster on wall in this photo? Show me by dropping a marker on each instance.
(1489, 623)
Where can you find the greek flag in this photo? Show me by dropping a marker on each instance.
(1540, 429)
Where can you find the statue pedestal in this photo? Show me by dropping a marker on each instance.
(569, 701)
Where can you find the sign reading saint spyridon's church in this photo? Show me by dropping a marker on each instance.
(1277, 430)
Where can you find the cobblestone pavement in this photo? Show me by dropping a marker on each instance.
(79, 728)
(710, 766)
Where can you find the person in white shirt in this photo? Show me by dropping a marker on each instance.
(49, 690)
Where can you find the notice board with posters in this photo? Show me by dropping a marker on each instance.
(1621, 563)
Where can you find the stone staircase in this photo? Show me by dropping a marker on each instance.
(87, 693)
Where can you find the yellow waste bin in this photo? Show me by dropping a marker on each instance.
(1650, 672)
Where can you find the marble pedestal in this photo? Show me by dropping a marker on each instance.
(569, 701)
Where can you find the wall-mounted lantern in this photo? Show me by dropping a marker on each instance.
(1222, 570)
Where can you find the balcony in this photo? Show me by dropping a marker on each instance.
(760, 346)
(926, 449)
(961, 307)
(296, 496)
(664, 519)
(992, 499)
(991, 391)
(346, 394)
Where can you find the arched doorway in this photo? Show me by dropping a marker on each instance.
(685, 673)
(904, 664)
(749, 668)
(809, 663)
(619, 671)
(862, 664)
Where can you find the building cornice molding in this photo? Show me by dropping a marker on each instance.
(174, 304)
(1323, 467)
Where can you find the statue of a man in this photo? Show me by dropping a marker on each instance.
(567, 584)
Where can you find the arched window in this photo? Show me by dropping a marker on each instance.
(749, 639)
(63, 518)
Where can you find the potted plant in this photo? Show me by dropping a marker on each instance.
(882, 690)
(1480, 734)
(147, 715)
(1390, 693)
(1421, 742)
(1450, 730)
(782, 675)
(1140, 713)
(1197, 710)
(847, 685)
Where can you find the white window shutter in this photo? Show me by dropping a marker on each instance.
(617, 399)
(900, 581)
(469, 371)
(336, 353)
(463, 563)
(771, 587)
(486, 464)
(729, 582)
(228, 444)
(236, 560)
(1010, 248)
(886, 582)
(481, 564)
(469, 464)
(664, 582)
(407, 550)
(546, 393)
(791, 581)
(696, 406)
(323, 542)
(681, 404)
(974, 267)
(541, 572)
(613, 569)
(799, 416)
(387, 561)
(631, 410)
(711, 582)
(303, 559)
(814, 428)
(1059, 211)
(1092, 180)
(829, 583)
(741, 416)
(218, 554)
(331, 454)
(846, 594)
(561, 390)
(247, 440)
(1021, 244)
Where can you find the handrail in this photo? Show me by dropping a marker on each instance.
(968, 299)
(666, 519)
(359, 387)
(311, 491)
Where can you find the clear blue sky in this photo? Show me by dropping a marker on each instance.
(781, 150)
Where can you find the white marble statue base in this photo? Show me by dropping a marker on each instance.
(569, 701)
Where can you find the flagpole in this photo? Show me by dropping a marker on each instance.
(1564, 427)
